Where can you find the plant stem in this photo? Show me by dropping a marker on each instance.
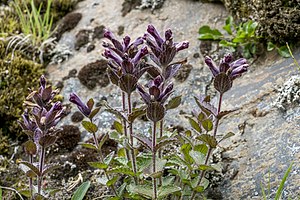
(209, 149)
(102, 160)
(154, 160)
(41, 166)
(30, 179)
(133, 161)
(125, 125)
(160, 151)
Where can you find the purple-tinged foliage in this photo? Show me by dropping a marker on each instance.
(163, 51)
(84, 109)
(125, 61)
(226, 72)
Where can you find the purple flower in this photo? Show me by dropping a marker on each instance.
(164, 50)
(233, 69)
(157, 91)
(53, 115)
(226, 72)
(125, 61)
(27, 124)
(84, 109)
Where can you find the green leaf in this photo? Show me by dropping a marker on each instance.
(94, 112)
(136, 113)
(281, 186)
(168, 180)
(206, 33)
(229, 24)
(143, 190)
(198, 157)
(225, 43)
(208, 139)
(122, 170)
(207, 125)
(0, 193)
(146, 142)
(206, 168)
(202, 148)
(164, 143)
(166, 190)
(284, 51)
(89, 146)
(185, 149)
(160, 164)
(81, 191)
(118, 126)
(89, 126)
(270, 46)
(98, 165)
(102, 140)
(173, 103)
(194, 125)
(228, 135)
(112, 181)
(177, 160)
(31, 167)
(107, 160)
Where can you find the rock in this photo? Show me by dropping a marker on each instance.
(94, 74)
(69, 22)
(82, 38)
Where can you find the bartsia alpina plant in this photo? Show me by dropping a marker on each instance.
(39, 122)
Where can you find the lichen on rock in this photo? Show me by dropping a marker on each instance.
(289, 93)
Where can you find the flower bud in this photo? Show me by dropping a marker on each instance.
(81, 106)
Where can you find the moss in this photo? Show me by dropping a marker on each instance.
(69, 137)
(16, 76)
(94, 74)
(279, 20)
(8, 22)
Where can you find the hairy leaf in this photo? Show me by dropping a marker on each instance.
(145, 141)
(122, 170)
(197, 156)
(167, 190)
(112, 181)
(94, 112)
(222, 82)
(89, 146)
(89, 126)
(118, 126)
(164, 143)
(30, 147)
(208, 139)
(136, 113)
(143, 190)
(228, 135)
(32, 167)
(173, 103)
(207, 125)
(107, 160)
(194, 125)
